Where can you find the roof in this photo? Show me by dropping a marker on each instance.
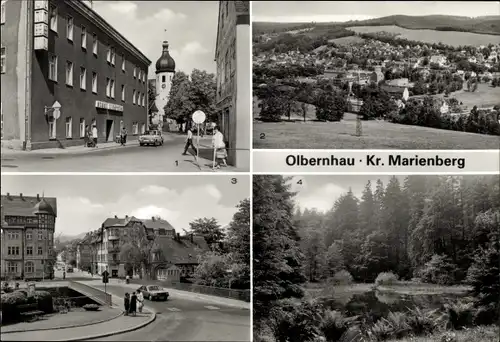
(183, 251)
(165, 63)
(118, 222)
(157, 224)
(393, 89)
(25, 205)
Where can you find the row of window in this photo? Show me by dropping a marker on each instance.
(29, 267)
(15, 250)
(111, 52)
(82, 131)
(138, 98)
(29, 236)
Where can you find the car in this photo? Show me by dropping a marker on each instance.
(153, 137)
(69, 269)
(154, 292)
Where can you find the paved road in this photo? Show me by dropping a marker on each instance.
(184, 320)
(131, 158)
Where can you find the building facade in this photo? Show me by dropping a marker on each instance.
(233, 58)
(165, 71)
(101, 249)
(27, 237)
(65, 68)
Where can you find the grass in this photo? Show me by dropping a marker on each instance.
(413, 288)
(477, 334)
(347, 40)
(376, 135)
(484, 96)
(432, 36)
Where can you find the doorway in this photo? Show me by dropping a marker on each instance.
(109, 130)
(114, 273)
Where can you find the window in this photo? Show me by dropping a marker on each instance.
(135, 128)
(112, 89)
(84, 37)
(29, 267)
(69, 123)
(69, 73)
(108, 54)
(83, 78)
(135, 72)
(29, 250)
(40, 250)
(3, 12)
(113, 56)
(123, 92)
(144, 100)
(13, 250)
(133, 96)
(29, 236)
(40, 236)
(163, 79)
(144, 77)
(53, 18)
(143, 128)
(12, 267)
(69, 29)
(108, 87)
(94, 44)
(82, 128)
(94, 82)
(123, 62)
(3, 66)
(140, 75)
(53, 67)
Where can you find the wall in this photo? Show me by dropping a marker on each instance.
(13, 81)
(243, 94)
(77, 103)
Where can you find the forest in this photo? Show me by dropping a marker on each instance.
(441, 230)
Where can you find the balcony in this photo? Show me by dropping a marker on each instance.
(113, 237)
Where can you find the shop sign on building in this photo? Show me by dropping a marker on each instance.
(109, 106)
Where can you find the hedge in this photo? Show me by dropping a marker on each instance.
(45, 302)
(9, 304)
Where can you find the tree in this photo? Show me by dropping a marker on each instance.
(203, 91)
(330, 107)
(180, 104)
(151, 102)
(210, 229)
(135, 250)
(334, 258)
(277, 259)
(238, 239)
(212, 270)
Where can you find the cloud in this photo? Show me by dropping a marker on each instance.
(193, 48)
(167, 14)
(123, 7)
(77, 214)
(322, 198)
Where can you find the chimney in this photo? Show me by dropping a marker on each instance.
(38, 197)
(178, 236)
(8, 195)
(116, 216)
(126, 216)
(153, 218)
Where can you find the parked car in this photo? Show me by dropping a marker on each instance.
(69, 269)
(153, 137)
(154, 292)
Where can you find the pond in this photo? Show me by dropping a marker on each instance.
(373, 305)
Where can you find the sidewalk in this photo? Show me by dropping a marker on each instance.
(80, 149)
(189, 295)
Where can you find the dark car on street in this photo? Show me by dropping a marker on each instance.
(154, 292)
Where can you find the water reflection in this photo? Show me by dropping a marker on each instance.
(373, 305)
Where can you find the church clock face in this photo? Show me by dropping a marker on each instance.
(163, 85)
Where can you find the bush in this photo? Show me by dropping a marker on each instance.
(422, 322)
(386, 278)
(44, 300)
(460, 315)
(333, 325)
(9, 305)
(341, 278)
(439, 270)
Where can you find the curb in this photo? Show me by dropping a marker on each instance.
(64, 326)
(151, 319)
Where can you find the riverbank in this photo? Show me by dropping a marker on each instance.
(477, 334)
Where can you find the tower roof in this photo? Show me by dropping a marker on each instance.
(165, 63)
(43, 207)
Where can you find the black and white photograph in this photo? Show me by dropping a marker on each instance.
(408, 75)
(376, 258)
(125, 86)
(124, 258)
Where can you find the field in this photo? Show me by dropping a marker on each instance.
(432, 36)
(484, 96)
(376, 135)
(347, 40)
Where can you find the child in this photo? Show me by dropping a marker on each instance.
(127, 303)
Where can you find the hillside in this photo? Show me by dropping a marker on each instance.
(482, 25)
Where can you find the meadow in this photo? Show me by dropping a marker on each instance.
(432, 36)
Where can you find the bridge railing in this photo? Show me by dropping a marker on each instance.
(243, 295)
(91, 292)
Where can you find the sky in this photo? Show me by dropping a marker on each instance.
(84, 202)
(321, 192)
(339, 11)
(191, 29)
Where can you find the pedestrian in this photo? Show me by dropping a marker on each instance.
(123, 136)
(189, 142)
(94, 135)
(127, 303)
(127, 279)
(140, 300)
(219, 147)
(86, 138)
(133, 304)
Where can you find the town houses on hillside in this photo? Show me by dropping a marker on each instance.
(171, 255)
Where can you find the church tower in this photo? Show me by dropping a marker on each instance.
(165, 70)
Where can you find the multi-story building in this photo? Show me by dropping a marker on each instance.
(164, 247)
(233, 58)
(27, 236)
(65, 68)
